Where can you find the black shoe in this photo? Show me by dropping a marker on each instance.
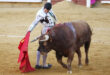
(47, 67)
(38, 67)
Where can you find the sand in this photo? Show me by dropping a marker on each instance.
(15, 21)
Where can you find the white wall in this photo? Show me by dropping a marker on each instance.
(88, 3)
(48, 0)
(105, 1)
(69, 0)
(20, 0)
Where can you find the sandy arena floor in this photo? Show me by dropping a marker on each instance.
(15, 21)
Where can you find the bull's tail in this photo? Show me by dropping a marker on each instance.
(87, 45)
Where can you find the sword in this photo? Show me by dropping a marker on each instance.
(35, 39)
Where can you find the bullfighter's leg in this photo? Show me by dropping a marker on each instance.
(38, 66)
(87, 45)
(44, 59)
(59, 59)
(79, 57)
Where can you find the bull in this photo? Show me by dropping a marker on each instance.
(66, 39)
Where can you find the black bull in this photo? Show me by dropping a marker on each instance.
(66, 39)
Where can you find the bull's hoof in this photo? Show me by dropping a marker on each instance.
(87, 64)
(87, 61)
(69, 72)
(80, 65)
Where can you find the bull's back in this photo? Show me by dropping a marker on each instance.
(65, 36)
(83, 31)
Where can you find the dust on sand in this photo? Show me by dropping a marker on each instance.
(15, 21)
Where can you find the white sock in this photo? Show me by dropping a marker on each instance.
(37, 57)
(44, 60)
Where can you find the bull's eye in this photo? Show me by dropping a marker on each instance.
(45, 43)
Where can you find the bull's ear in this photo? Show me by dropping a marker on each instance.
(52, 33)
(51, 39)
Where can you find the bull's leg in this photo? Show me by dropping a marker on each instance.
(79, 57)
(69, 61)
(69, 66)
(59, 59)
(87, 45)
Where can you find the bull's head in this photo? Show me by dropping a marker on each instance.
(44, 44)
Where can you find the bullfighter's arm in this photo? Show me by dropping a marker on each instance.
(35, 22)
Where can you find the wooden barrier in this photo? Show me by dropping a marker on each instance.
(20, 0)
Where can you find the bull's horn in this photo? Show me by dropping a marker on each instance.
(46, 38)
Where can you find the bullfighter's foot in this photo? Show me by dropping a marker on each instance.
(69, 72)
(38, 67)
(48, 66)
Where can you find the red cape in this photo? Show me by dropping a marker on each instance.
(23, 59)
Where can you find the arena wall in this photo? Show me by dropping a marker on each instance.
(20, 3)
(25, 3)
(20, 0)
(105, 1)
(39, 3)
(81, 2)
(54, 1)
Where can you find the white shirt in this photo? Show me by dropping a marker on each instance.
(41, 15)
